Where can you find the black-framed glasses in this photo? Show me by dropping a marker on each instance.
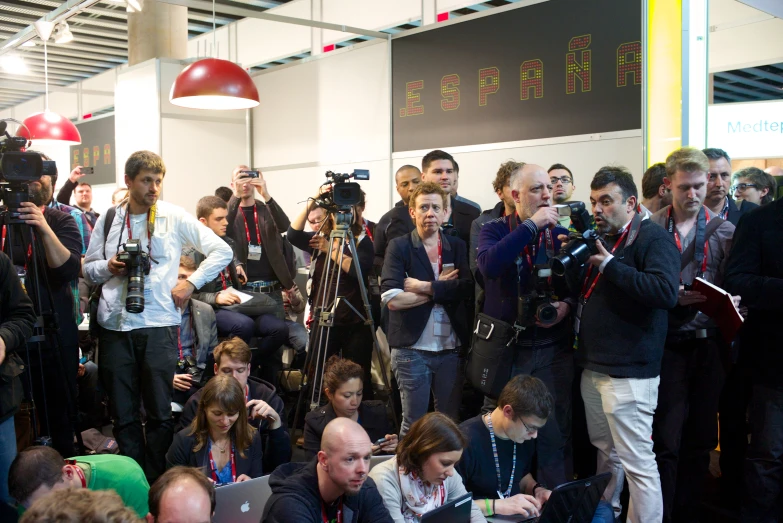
(528, 429)
(742, 186)
(564, 179)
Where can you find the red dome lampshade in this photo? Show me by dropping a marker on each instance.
(49, 126)
(212, 83)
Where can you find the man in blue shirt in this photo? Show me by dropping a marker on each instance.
(508, 250)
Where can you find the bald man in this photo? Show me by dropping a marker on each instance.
(397, 222)
(774, 170)
(181, 495)
(334, 487)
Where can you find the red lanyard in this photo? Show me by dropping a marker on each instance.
(247, 393)
(223, 279)
(79, 472)
(367, 229)
(214, 468)
(440, 256)
(255, 222)
(587, 294)
(673, 230)
(339, 512)
(549, 242)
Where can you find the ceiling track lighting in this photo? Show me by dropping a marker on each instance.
(62, 34)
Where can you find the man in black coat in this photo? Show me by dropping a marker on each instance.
(718, 199)
(335, 486)
(755, 271)
(397, 222)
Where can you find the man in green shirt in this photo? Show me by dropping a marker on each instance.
(36, 471)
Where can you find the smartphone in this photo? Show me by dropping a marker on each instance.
(87, 170)
(250, 174)
(447, 268)
(380, 442)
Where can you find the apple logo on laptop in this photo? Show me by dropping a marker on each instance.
(245, 506)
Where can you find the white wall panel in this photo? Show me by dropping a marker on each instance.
(479, 167)
(738, 31)
(102, 82)
(367, 14)
(136, 110)
(64, 103)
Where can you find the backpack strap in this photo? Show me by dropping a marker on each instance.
(109, 221)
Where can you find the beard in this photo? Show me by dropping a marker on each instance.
(39, 194)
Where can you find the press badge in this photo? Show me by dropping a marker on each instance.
(254, 252)
(578, 315)
(439, 325)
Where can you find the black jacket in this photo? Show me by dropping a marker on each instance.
(395, 223)
(277, 443)
(755, 272)
(17, 317)
(272, 222)
(296, 498)
(372, 417)
(181, 453)
(64, 197)
(624, 323)
(462, 216)
(209, 291)
(736, 211)
(407, 256)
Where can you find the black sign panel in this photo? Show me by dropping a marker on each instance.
(96, 150)
(558, 68)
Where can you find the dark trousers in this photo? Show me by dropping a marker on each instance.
(734, 429)
(53, 386)
(554, 365)
(138, 366)
(685, 426)
(761, 502)
(356, 344)
(89, 400)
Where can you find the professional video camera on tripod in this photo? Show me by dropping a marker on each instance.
(27, 237)
(337, 323)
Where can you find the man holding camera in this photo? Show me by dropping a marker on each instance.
(139, 348)
(83, 192)
(685, 427)
(513, 257)
(620, 322)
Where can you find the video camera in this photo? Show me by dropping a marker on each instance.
(343, 194)
(18, 168)
(138, 263)
(536, 305)
(581, 245)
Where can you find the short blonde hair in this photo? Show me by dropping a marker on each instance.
(234, 348)
(427, 188)
(687, 160)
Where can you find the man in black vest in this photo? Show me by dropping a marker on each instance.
(620, 323)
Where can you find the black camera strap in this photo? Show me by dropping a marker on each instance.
(692, 252)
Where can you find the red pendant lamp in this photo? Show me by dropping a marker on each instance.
(47, 126)
(213, 83)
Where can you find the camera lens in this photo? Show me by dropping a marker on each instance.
(546, 313)
(572, 257)
(134, 302)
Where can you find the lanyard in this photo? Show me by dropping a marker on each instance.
(703, 216)
(192, 331)
(255, 222)
(586, 295)
(214, 468)
(223, 279)
(247, 393)
(367, 229)
(339, 512)
(150, 226)
(507, 493)
(550, 244)
(440, 256)
(79, 472)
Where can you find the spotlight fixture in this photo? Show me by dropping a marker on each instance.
(62, 34)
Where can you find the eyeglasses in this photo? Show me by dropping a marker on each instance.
(564, 179)
(528, 429)
(742, 186)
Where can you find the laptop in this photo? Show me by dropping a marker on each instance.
(455, 511)
(241, 502)
(573, 502)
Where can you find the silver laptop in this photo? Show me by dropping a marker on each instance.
(241, 502)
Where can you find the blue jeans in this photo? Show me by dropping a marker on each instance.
(417, 373)
(297, 336)
(604, 513)
(7, 455)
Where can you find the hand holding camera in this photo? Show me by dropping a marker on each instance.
(545, 217)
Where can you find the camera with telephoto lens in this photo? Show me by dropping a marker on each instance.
(188, 365)
(18, 168)
(581, 245)
(342, 194)
(138, 263)
(536, 305)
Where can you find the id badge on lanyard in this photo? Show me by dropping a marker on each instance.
(254, 252)
(440, 328)
(578, 316)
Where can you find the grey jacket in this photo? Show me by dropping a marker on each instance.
(205, 325)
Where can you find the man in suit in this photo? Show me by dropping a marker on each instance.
(718, 184)
(439, 167)
(397, 222)
(755, 271)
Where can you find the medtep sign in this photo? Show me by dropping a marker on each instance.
(747, 130)
(556, 68)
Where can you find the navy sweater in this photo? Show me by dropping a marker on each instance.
(625, 320)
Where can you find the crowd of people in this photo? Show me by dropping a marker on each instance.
(579, 327)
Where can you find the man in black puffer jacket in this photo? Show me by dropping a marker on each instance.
(332, 487)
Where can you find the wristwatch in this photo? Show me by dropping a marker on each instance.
(537, 485)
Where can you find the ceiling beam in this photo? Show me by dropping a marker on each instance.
(764, 74)
(748, 81)
(748, 92)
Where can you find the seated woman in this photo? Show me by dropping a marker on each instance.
(219, 440)
(421, 477)
(344, 388)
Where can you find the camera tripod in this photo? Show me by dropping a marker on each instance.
(46, 330)
(323, 315)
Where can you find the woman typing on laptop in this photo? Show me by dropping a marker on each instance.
(421, 477)
(219, 440)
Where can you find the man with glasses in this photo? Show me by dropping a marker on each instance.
(718, 185)
(562, 188)
(753, 185)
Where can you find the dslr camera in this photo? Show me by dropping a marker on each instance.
(536, 305)
(581, 245)
(18, 168)
(138, 263)
(343, 194)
